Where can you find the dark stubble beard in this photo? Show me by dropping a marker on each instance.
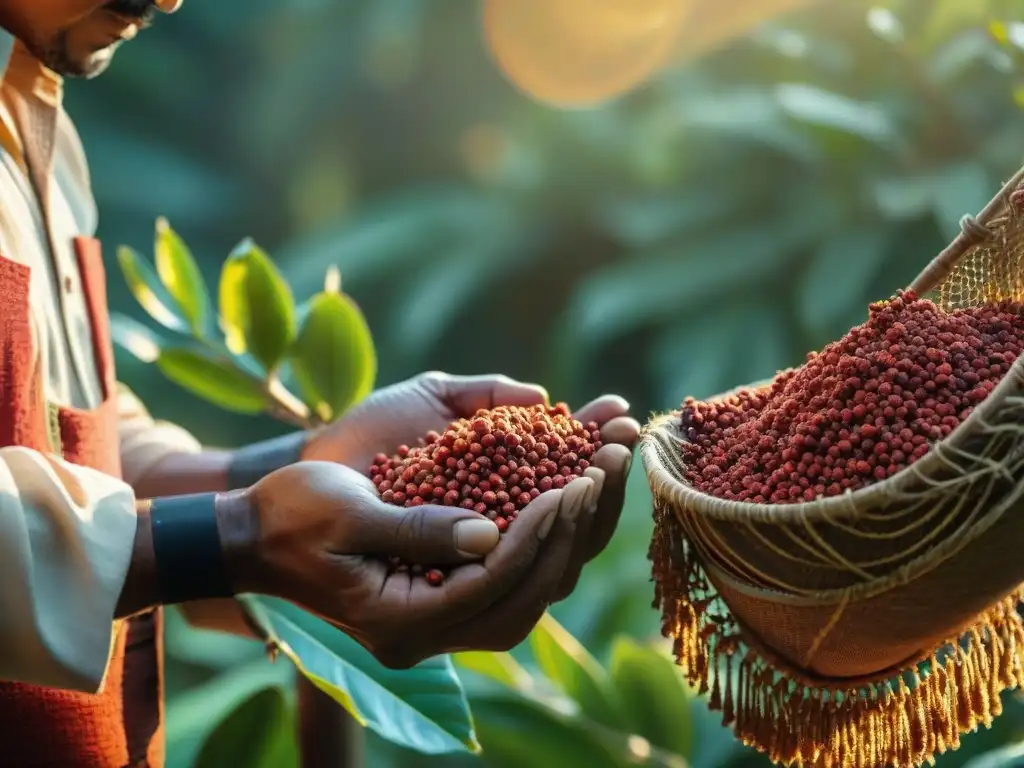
(143, 10)
(57, 55)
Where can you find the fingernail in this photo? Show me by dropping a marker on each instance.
(475, 538)
(597, 476)
(627, 464)
(580, 499)
(545, 527)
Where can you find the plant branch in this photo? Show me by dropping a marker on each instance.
(289, 405)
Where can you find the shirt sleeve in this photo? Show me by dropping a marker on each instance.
(145, 442)
(66, 540)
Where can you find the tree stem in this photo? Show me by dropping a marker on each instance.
(328, 736)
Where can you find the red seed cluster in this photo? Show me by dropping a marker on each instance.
(859, 411)
(494, 463)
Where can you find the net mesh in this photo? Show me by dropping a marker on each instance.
(874, 628)
(990, 271)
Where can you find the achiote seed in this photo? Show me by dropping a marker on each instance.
(494, 463)
(857, 412)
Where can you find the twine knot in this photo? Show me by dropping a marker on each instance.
(973, 229)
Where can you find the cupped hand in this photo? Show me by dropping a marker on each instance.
(404, 412)
(325, 536)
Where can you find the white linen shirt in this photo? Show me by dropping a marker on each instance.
(66, 532)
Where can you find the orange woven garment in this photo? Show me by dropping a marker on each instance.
(872, 627)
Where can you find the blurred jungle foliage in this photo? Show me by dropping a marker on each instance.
(700, 232)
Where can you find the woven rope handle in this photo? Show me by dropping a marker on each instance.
(973, 231)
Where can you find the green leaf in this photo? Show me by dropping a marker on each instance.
(333, 358)
(181, 276)
(260, 733)
(134, 337)
(961, 188)
(949, 192)
(500, 667)
(145, 287)
(903, 196)
(674, 350)
(212, 378)
(815, 106)
(603, 611)
(655, 701)
(194, 714)
(749, 115)
(257, 312)
(576, 673)
(643, 220)
(206, 647)
(1011, 754)
(516, 732)
(438, 293)
(653, 286)
(948, 17)
(834, 285)
(418, 224)
(423, 708)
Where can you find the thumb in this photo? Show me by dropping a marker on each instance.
(429, 534)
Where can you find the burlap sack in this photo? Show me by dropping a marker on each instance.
(872, 628)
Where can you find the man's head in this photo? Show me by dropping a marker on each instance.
(77, 38)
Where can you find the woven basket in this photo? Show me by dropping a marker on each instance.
(871, 628)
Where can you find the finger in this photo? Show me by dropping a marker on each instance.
(581, 547)
(509, 621)
(470, 588)
(465, 395)
(426, 535)
(622, 430)
(615, 460)
(602, 410)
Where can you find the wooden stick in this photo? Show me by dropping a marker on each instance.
(972, 232)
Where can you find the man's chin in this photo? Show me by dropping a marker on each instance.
(90, 67)
(85, 67)
(96, 64)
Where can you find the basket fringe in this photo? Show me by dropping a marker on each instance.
(889, 723)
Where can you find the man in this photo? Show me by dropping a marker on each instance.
(96, 529)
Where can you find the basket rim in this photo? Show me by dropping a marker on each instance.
(997, 213)
(847, 506)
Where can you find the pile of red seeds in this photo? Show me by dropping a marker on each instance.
(857, 412)
(494, 463)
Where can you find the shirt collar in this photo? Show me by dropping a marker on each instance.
(26, 73)
(21, 72)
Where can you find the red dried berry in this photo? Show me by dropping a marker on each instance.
(855, 413)
(494, 463)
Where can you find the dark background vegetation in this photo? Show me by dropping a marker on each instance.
(698, 233)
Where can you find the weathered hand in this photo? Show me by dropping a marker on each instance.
(325, 535)
(404, 412)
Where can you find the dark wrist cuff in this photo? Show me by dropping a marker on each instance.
(252, 463)
(187, 549)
